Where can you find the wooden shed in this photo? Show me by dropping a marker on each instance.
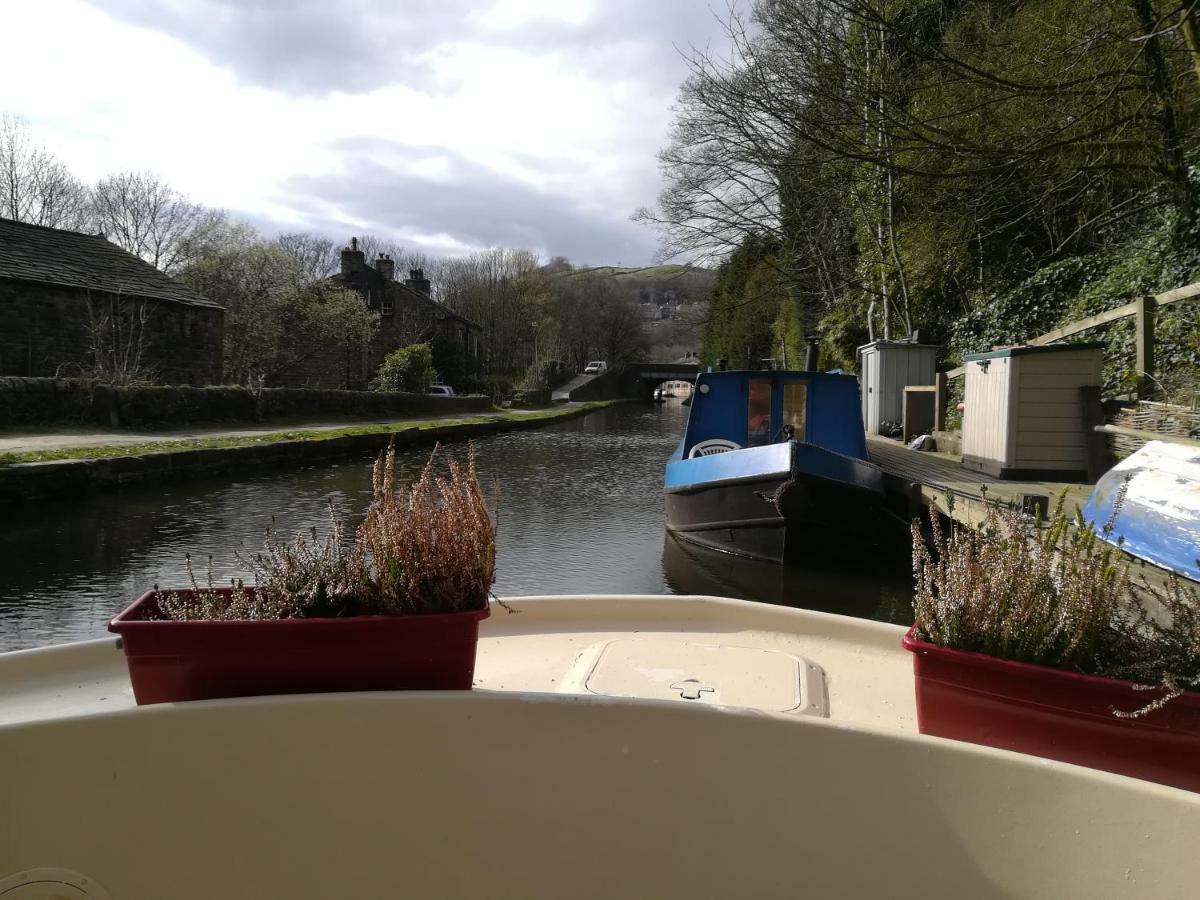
(887, 368)
(1023, 417)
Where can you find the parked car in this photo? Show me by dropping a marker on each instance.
(596, 367)
(441, 390)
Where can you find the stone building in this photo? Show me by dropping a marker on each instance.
(66, 298)
(407, 315)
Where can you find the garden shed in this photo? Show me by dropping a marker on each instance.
(1023, 414)
(887, 368)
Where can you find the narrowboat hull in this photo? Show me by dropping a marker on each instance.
(816, 503)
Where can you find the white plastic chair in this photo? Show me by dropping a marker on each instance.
(713, 446)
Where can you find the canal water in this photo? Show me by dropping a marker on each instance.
(581, 511)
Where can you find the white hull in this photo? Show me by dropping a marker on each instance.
(535, 785)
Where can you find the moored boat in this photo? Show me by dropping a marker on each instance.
(773, 465)
(1152, 499)
(614, 746)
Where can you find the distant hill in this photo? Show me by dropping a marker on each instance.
(657, 275)
(673, 284)
(673, 300)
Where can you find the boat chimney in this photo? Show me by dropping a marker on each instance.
(812, 356)
(722, 364)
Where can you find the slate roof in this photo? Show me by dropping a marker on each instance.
(53, 256)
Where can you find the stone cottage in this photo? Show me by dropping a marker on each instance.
(408, 314)
(66, 298)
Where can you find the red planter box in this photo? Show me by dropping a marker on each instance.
(201, 660)
(1054, 714)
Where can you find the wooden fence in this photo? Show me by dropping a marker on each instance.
(1142, 310)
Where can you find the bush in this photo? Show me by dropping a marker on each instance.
(426, 547)
(407, 369)
(1057, 595)
(547, 373)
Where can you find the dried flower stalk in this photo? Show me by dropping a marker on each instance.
(425, 548)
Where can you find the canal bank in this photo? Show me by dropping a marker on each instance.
(52, 465)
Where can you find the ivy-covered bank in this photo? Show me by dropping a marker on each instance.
(1082, 286)
(755, 317)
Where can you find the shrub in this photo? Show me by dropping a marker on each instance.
(1055, 595)
(432, 545)
(427, 547)
(406, 369)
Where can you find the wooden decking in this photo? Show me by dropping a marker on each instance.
(917, 480)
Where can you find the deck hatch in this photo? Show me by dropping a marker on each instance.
(714, 674)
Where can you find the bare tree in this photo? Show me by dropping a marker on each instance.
(144, 215)
(316, 257)
(118, 339)
(275, 317)
(34, 186)
(832, 124)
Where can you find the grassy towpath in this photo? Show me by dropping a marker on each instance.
(70, 445)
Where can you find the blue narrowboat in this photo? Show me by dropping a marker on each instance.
(773, 465)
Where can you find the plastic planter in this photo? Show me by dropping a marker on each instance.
(1054, 714)
(201, 660)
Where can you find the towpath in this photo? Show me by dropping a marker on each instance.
(29, 441)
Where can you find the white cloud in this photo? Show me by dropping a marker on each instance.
(573, 119)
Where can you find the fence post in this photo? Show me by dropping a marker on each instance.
(1091, 414)
(940, 398)
(1144, 316)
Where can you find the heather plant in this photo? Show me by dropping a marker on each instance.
(425, 547)
(1047, 595)
(295, 579)
(1166, 622)
(1056, 594)
(431, 546)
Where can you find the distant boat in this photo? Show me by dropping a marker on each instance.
(773, 465)
(658, 396)
(1159, 518)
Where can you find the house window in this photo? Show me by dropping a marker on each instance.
(386, 305)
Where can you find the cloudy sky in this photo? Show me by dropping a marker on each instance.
(446, 125)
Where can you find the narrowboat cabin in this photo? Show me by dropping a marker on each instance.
(772, 465)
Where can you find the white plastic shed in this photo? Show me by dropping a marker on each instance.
(887, 368)
(1023, 417)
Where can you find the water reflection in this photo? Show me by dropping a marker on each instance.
(581, 510)
(878, 588)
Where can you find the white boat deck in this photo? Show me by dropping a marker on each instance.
(694, 650)
(578, 768)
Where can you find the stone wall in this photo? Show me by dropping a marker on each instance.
(58, 401)
(608, 386)
(44, 332)
(324, 366)
(45, 401)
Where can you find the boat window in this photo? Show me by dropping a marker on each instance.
(758, 427)
(795, 407)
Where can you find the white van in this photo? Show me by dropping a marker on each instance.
(596, 367)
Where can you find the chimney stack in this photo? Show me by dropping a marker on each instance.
(418, 282)
(353, 259)
(386, 266)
